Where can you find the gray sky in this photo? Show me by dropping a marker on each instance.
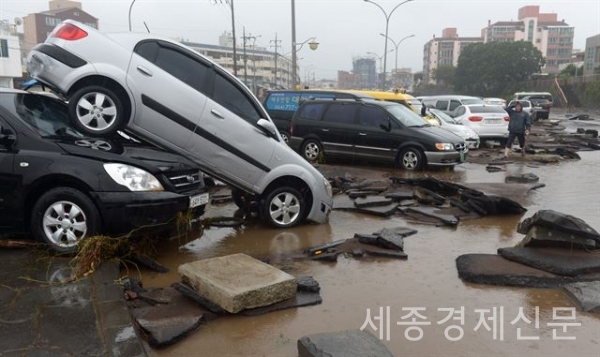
(344, 28)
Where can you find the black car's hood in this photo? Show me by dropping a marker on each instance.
(443, 135)
(121, 150)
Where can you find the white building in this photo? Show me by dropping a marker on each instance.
(10, 56)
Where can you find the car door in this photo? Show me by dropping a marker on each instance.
(227, 135)
(9, 181)
(339, 130)
(169, 86)
(372, 140)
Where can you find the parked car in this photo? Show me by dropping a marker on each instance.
(65, 187)
(495, 101)
(488, 121)
(541, 101)
(373, 130)
(171, 96)
(282, 104)
(448, 123)
(449, 103)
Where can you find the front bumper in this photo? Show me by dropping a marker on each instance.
(446, 158)
(124, 211)
(472, 143)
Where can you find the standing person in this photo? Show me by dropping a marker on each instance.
(518, 127)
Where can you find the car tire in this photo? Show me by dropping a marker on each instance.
(283, 207)
(63, 217)
(411, 159)
(311, 149)
(285, 136)
(96, 111)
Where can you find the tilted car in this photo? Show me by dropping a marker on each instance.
(488, 121)
(64, 186)
(173, 97)
(448, 123)
(372, 130)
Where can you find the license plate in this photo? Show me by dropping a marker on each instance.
(493, 121)
(198, 200)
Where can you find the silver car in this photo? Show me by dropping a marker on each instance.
(171, 96)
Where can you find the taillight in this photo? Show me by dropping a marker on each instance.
(69, 32)
(475, 118)
(506, 118)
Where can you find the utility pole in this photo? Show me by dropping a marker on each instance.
(276, 46)
(245, 58)
(230, 3)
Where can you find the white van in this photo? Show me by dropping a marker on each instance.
(449, 103)
(540, 101)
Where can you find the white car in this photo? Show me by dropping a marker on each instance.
(488, 121)
(495, 101)
(448, 123)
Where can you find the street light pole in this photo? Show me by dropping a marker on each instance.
(387, 25)
(379, 58)
(313, 46)
(130, 7)
(396, 45)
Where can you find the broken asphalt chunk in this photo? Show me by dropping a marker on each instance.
(372, 201)
(586, 295)
(399, 195)
(578, 231)
(302, 298)
(351, 343)
(523, 178)
(308, 284)
(557, 261)
(446, 219)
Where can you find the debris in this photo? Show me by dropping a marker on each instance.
(302, 298)
(557, 261)
(326, 257)
(372, 201)
(146, 261)
(446, 219)
(220, 199)
(237, 282)
(580, 117)
(523, 178)
(393, 238)
(308, 284)
(494, 205)
(387, 253)
(399, 195)
(232, 222)
(586, 295)
(351, 343)
(577, 231)
(360, 193)
(188, 291)
(490, 168)
(324, 248)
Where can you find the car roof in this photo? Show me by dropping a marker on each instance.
(351, 100)
(11, 90)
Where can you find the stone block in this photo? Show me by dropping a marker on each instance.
(238, 281)
(351, 343)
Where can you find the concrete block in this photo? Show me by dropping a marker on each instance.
(238, 281)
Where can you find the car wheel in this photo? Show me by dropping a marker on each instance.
(63, 217)
(311, 150)
(285, 136)
(96, 111)
(411, 159)
(283, 207)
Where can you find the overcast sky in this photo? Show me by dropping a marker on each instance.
(344, 28)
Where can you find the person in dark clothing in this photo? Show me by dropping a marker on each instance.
(518, 127)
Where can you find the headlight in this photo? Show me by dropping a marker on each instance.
(444, 146)
(133, 178)
(328, 187)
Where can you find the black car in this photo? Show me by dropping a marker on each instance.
(64, 187)
(282, 104)
(375, 131)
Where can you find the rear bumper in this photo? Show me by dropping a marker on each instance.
(124, 211)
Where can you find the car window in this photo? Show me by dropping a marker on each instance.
(340, 113)
(233, 98)
(312, 111)
(148, 50)
(182, 67)
(486, 109)
(472, 101)
(46, 116)
(372, 117)
(454, 104)
(460, 111)
(441, 104)
(406, 116)
(445, 117)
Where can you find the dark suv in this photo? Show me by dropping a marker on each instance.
(372, 130)
(64, 186)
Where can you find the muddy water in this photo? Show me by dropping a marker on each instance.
(428, 279)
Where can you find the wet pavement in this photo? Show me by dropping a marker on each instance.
(427, 279)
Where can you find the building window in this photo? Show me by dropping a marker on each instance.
(4, 48)
(52, 21)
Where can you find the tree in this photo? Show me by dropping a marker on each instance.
(444, 75)
(571, 71)
(487, 69)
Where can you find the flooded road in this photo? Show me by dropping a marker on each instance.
(428, 279)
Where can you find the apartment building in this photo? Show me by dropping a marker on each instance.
(444, 51)
(552, 37)
(591, 61)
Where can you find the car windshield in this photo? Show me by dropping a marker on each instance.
(486, 109)
(49, 117)
(445, 117)
(406, 116)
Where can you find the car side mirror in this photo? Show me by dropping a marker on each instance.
(268, 126)
(7, 138)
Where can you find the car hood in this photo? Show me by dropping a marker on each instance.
(461, 130)
(443, 135)
(116, 150)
